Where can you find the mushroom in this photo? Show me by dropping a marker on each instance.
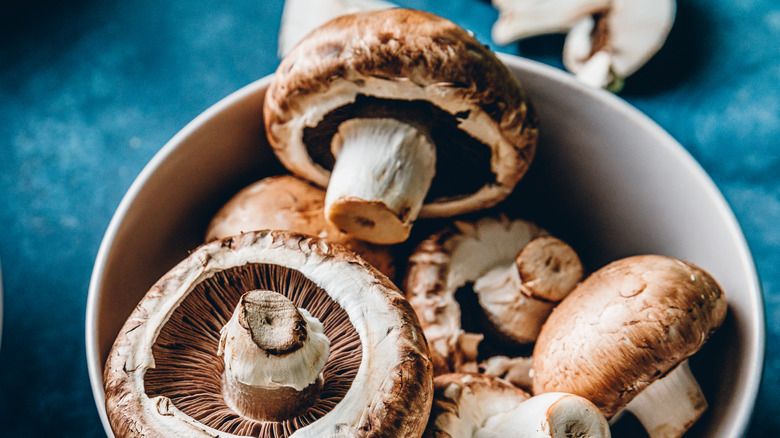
(515, 370)
(519, 272)
(289, 203)
(478, 406)
(233, 340)
(299, 17)
(400, 114)
(607, 40)
(623, 336)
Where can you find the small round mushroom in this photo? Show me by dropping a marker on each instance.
(623, 336)
(400, 114)
(289, 203)
(478, 406)
(270, 334)
(607, 41)
(519, 272)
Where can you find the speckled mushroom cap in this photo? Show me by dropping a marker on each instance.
(162, 377)
(625, 326)
(286, 202)
(420, 69)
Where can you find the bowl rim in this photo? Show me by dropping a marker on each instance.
(560, 78)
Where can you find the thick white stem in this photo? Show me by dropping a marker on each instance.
(382, 174)
(669, 406)
(550, 415)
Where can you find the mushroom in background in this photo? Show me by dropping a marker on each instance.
(519, 273)
(289, 203)
(400, 114)
(607, 40)
(623, 336)
(478, 406)
(299, 17)
(270, 334)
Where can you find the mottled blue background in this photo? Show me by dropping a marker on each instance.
(89, 91)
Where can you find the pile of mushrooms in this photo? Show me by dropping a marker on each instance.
(286, 322)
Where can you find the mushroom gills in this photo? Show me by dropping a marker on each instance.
(274, 354)
(681, 397)
(382, 174)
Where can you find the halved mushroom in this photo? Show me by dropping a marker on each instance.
(273, 305)
(478, 406)
(299, 17)
(519, 272)
(399, 113)
(607, 40)
(622, 339)
(289, 203)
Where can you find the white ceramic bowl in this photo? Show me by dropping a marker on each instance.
(606, 178)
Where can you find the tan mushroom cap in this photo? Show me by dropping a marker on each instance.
(389, 393)
(625, 326)
(286, 202)
(410, 57)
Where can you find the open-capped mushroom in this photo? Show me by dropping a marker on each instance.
(478, 406)
(607, 40)
(519, 272)
(232, 341)
(623, 336)
(299, 17)
(289, 203)
(399, 113)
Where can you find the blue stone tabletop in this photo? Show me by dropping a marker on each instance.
(91, 90)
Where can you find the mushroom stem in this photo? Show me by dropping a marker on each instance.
(273, 353)
(669, 406)
(518, 299)
(382, 174)
(550, 415)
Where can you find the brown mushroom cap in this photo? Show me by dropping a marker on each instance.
(162, 377)
(422, 70)
(289, 203)
(625, 326)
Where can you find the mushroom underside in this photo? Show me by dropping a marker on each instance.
(188, 371)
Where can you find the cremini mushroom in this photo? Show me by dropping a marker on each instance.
(623, 336)
(518, 272)
(400, 114)
(478, 406)
(289, 203)
(299, 17)
(270, 334)
(607, 40)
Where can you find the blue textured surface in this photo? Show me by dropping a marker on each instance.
(89, 91)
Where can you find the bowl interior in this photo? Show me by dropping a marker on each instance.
(605, 178)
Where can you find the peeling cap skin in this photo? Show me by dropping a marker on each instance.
(425, 89)
(626, 326)
(606, 41)
(479, 406)
(289, 203)
(485, 253)
(163, 376)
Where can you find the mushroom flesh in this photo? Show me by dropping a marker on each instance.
(286, 202)
(478, 406)
(623, 336)
(607, 40)
(270, 333)
(400, 114)
(518, 272)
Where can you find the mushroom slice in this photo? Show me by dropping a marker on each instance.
(623, 337)
(473, 405)
(270, 334)
(289, 203)
(607, 41)
(515, 292)
(401, 114)
(299, 17)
